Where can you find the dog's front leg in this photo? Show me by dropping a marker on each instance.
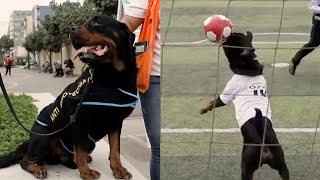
(80, 147)
(81, 158)
(119, 172)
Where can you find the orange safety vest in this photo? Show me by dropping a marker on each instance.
(147, 33)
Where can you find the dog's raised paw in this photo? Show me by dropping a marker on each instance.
(203, 111)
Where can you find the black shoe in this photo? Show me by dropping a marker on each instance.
(292, 69)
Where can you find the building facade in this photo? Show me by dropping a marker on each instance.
(16, 26)
(28, 26)
(17, 33)
(38, 14)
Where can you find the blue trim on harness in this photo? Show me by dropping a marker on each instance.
(133, 104)
(70, 151)
(65, 147)
(94, 142)
(42, 123)
(130, 94)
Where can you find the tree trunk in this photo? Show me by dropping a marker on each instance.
(28, 60)
(50, 58)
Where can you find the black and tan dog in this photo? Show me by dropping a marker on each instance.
(107, 46)
(247, 90)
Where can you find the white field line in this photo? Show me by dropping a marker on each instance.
(235, 130)
(275, 33)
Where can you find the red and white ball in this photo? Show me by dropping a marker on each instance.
(217, 28)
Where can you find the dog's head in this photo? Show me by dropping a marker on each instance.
(242, 58)
(103, 40)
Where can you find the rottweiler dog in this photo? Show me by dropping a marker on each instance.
(107, 93)
(247, 90)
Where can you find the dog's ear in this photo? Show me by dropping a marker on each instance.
(249, 36)
(127, 39)
(248, 44)
(129, 33)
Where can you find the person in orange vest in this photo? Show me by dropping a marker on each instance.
(8, 65)
(147, 13)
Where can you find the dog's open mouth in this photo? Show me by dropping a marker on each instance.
(88, 51)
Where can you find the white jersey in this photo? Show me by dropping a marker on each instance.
(247, 93)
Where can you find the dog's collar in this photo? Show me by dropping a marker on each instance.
(247, 72)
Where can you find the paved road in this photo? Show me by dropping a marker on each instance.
(134, 146)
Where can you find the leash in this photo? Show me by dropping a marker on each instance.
(72, 120)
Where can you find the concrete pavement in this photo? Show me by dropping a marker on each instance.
(44, 88)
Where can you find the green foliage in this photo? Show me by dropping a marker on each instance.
(5, 44)
(54, 31)
(69, 14)
(106, 7)
(53, 38)
(11, 134)
(34, 42)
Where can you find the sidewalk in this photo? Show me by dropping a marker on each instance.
(100, 157)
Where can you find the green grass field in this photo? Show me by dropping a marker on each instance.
(191, 76)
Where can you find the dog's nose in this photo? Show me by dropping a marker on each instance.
(73, 28)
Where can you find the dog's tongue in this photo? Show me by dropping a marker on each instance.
(98, 50)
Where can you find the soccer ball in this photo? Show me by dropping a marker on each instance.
(217, 28)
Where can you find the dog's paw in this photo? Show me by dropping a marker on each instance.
(90, 175)
(121, 173)
(203, 111)
(94, 174)
(40, 173)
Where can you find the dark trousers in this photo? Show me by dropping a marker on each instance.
(311, 45)
(150, 105)
(8, 70)
(59, 72)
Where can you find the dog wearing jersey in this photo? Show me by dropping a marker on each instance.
(108, 89)
(247, 90)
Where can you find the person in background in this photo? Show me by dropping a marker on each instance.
(69, 66)
(8, 65)
(58, 67)
(47, 67)
(148, 63)
(314, 37)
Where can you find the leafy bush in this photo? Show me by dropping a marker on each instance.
(11, 133)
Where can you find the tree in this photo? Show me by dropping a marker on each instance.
(5, 44)
(69, 14)
(28, 46)
(34, 43)
(52, 40)
(106, 7)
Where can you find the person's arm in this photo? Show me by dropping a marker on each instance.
(132, 22)
(314, 6)
(213, 104)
